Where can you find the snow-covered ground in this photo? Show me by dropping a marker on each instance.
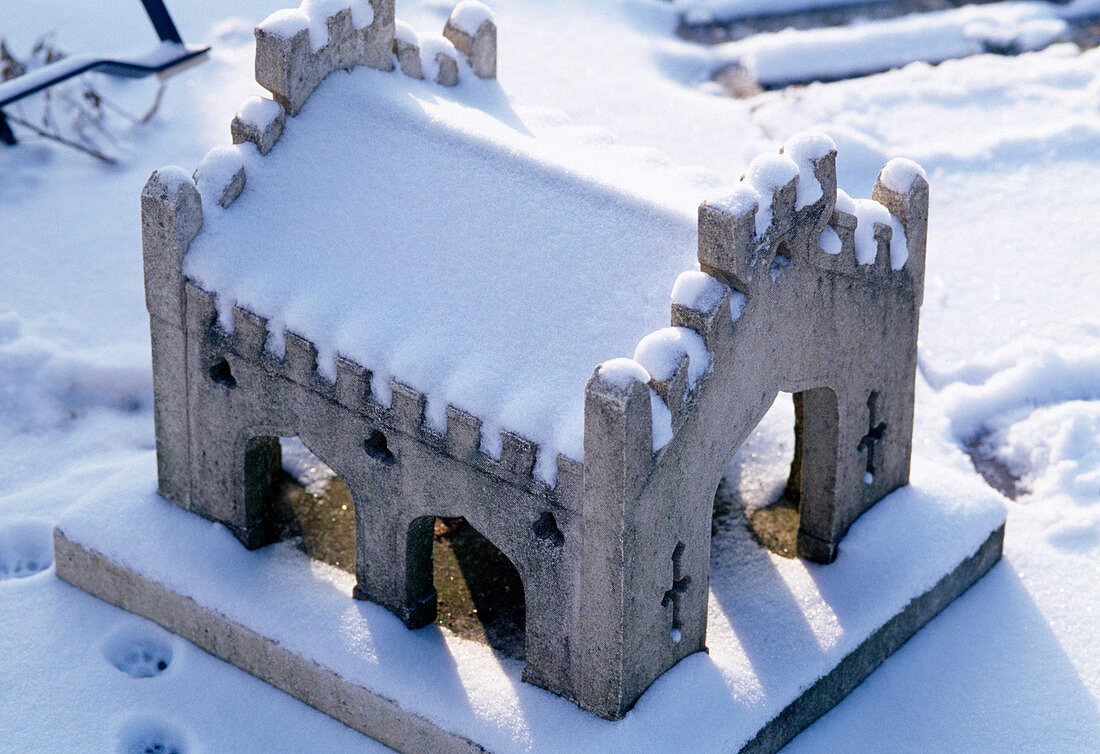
(791, 56)
(1009, 357)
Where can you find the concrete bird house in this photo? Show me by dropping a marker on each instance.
(459, 328)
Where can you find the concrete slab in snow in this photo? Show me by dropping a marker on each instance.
(787, 639)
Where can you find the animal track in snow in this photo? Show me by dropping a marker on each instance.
(147, 735)
(26, 548)
(139, 651)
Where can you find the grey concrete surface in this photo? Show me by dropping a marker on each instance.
(263, 139)
(480, 49)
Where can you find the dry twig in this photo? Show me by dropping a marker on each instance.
(84, 107)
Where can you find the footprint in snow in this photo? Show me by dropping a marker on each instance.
(146, 735)
(139, 650)
(26, 548)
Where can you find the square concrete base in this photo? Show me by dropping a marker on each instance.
(787, 639)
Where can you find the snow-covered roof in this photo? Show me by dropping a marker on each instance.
(426, 234)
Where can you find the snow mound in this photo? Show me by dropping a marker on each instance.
(697, 290)
(217, 171)
(870, 213)
(1033, 408)
(622, 373)
(405, 33)
(766, 173)
(899, 173)
(26, 548)
(804, 148)
(47, 385)
(1055, 450)
(1024, 375)
(431, 46)
(830, 241)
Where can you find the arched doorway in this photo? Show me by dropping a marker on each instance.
(303, 497)
(780, 482)
(479, 592)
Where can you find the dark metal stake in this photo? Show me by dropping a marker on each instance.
(6, 134)
(162, 22)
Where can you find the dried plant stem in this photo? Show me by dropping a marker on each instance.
(61, 139)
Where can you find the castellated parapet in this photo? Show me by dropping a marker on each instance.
(292, 59)
(831, 294)
(800, 289)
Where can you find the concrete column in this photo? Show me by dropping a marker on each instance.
(171, 216)
(618, 448)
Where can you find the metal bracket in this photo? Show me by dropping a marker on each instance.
(162, 65)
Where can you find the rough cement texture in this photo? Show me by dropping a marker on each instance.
(288, 67)
(171, 216)
(263, 139)
(839, 334)
(231, 190)
(613, 559)
(291, 70)
(448, 69)
(480, 49)
(408, 58)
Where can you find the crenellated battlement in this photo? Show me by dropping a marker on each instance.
(297, 48)
(248, 340)
(788, 209)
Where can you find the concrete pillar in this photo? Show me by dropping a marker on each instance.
(171, 216)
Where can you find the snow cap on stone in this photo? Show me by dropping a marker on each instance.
(744, 198)
(259, 112)
(432, 45)
(314, 15)
(220, 176)
(899, 173)
(845, 203)
(405, 33)
(174, 177)
(830, 241)
(697, 291)
(768, 172)
(622, 373)
(661, 351)
(869, 213)
(285, 23)
(469, 15)
(804, 148)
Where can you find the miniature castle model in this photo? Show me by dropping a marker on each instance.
(800, 289)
